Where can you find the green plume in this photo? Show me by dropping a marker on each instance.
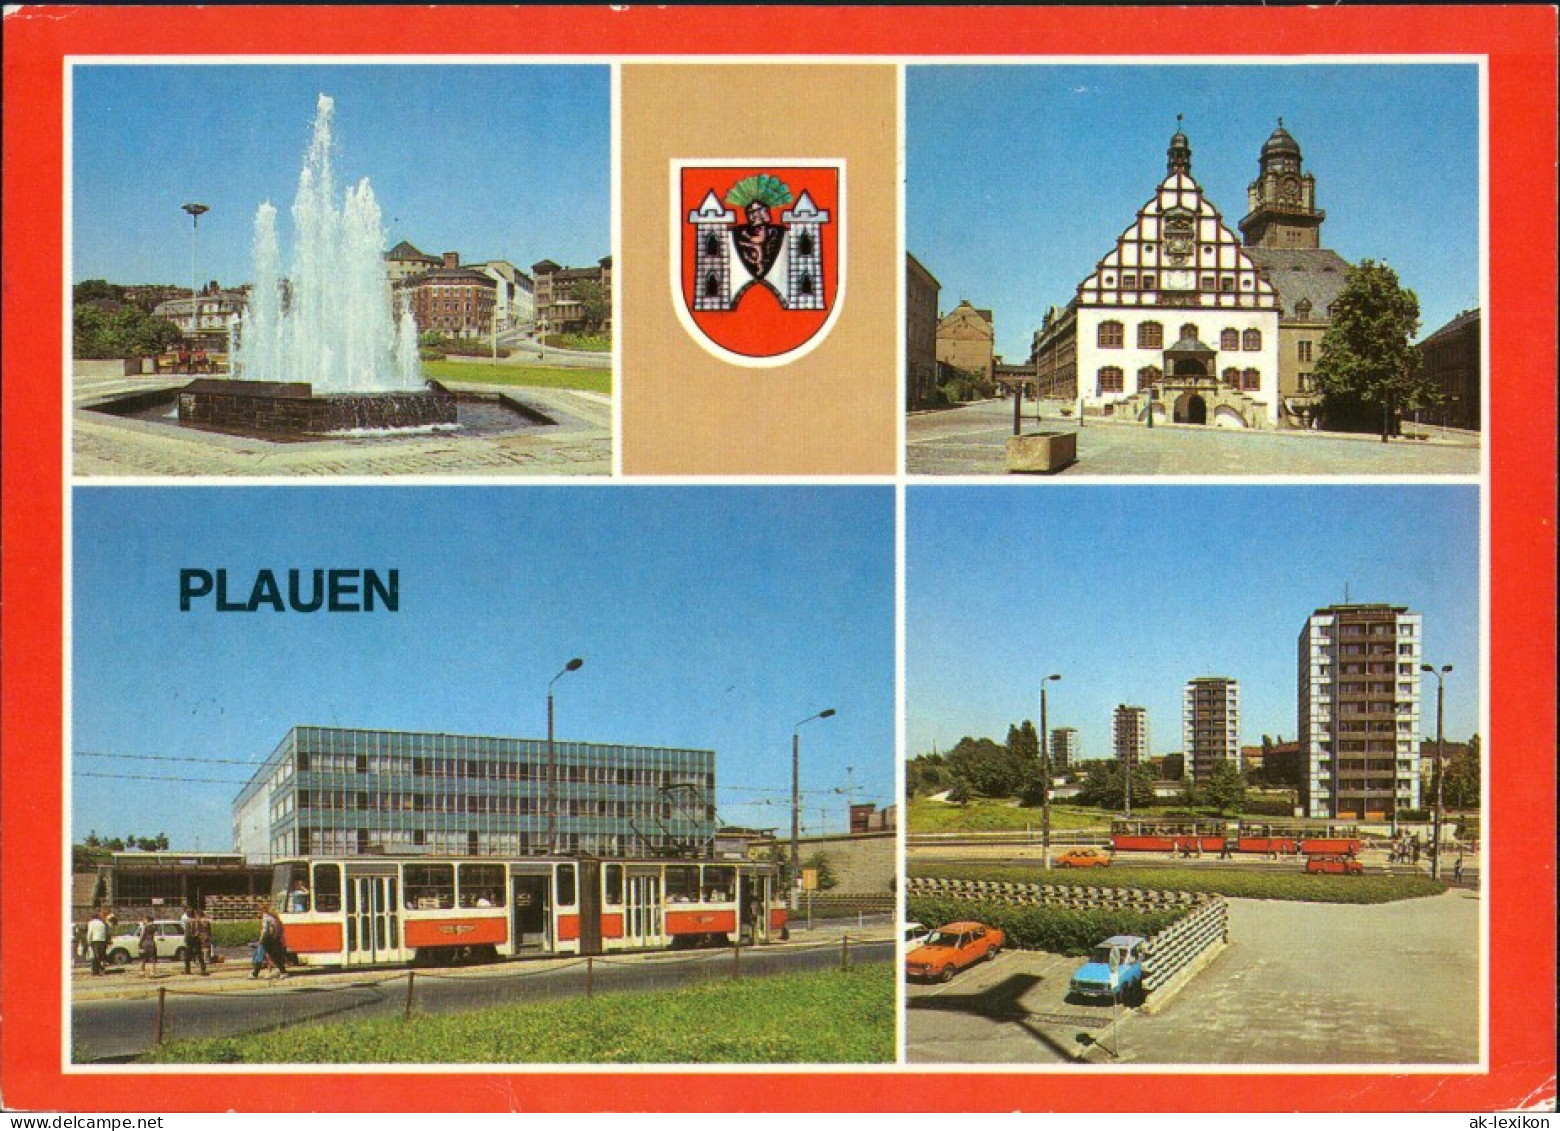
(762, 187)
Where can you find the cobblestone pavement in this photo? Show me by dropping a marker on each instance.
(106, 446)
(972, 441)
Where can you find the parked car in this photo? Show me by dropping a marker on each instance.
(915, 935)
(952, 948)
(1114, 969)
(1328, 862)
(170, 943)
(1083, 858)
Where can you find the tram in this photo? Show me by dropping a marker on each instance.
(374, 910)
(1309, 838)
(1167, 834)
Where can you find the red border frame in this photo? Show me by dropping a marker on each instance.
(1520, 45)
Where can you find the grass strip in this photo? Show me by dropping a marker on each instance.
(830, 1017)
(1242, 884)
(527, 376)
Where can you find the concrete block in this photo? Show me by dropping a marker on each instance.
(1045, 452)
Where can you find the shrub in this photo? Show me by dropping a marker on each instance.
(1059, 930)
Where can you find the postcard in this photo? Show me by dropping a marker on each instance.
(751, 560)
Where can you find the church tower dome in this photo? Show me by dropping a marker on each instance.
(1282, 200)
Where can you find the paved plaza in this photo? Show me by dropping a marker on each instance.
(104, 445)
(972, 440)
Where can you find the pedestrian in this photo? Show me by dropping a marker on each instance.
(146, 942)
(1416, 849)
(196, 932)
(1457, 870)
(97, 940)
(273, 939)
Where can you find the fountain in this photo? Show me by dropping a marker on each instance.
(349, 362)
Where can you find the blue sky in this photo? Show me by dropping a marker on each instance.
(714, 618)
(495, 162)
(1019, 178)
(1129, 592)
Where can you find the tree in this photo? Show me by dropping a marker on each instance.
(988, 769)
(1175, 767)
(1368, 369)
(926, 774)
(1102, 785)
(125, 332)
(825, 868)
(1225, 789)
(595, 306)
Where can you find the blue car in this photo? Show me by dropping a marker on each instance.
(1114, 969)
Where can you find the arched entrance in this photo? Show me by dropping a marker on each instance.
(1190, 408)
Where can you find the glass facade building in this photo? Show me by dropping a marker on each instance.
(336, 791)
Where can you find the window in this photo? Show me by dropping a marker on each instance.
(1148, 375)
(327, 887)
(1303, 350)
(1129, 282)
(566, 892)
(482, 885)
(1232, 378)
(1209, 282)
(1227, 283)
(682, 883)
(1150, 336)
(1110, 336)
(1112, 380)
(1303, 308)
(1229, 339)
(613, 883)
(1251, 380)
(430, 886)
(1251, 340)
(720, 883)
(1149, 281)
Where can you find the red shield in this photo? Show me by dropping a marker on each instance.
(758, 252)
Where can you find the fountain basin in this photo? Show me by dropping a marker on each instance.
(291, 408)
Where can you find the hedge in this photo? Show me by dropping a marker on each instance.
(1059, 930)
(1291, 883)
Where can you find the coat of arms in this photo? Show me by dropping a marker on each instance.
(758, 256)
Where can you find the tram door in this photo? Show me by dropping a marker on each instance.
(642, 924)
(531, 907)
(372, 919)
(752, 907)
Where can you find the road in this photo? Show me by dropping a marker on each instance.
(119, 1025)
(972, 440)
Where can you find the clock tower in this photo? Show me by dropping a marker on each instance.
(1282, 199)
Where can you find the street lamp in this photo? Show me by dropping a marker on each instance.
(573, 665)
(195, 211)
(796, 797)
(1045, 777)
(1440, 765)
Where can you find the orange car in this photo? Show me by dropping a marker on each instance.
(1083, 858)
(953, 948)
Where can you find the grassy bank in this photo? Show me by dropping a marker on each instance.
(834, 1017)
(1294, 885)
(532, 376)
(925, 815)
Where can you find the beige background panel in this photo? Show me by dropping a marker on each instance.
(834, 411)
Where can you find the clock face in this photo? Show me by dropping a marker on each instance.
(1290, 189)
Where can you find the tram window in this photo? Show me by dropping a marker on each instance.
(482, 885)
(430, 886)
(566, 885)
(682, 883)
(327, 887)
(720, 883)
(613, 883)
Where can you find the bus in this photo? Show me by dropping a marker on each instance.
(376, 910)
(1167, 834)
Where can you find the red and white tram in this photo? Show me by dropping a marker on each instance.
(368, 910)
